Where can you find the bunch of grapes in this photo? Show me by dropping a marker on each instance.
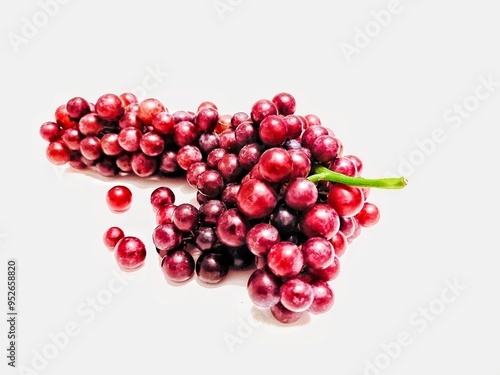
(275, 190)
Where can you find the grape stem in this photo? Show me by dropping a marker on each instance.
(325, 174)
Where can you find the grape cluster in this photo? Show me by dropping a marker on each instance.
(275, 190)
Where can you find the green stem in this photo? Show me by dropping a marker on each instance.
(324, 174)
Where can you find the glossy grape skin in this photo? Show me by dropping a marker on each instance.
(77, 107)
(275, 165)
(129, 139)
(256, 199)
(238, 118)
(329, 273)
(143, 165)
(205, 238)
(245, 134)
(184, 133)
(128, 99)
(185, 217)
(261, 237)
(249, 156)
(357, 162)
(129, 120)
(168, 162)
(339, 243)
(346, 200)
(324, 297)
(301, 194)
(160, 197)
(346, 226)
(163, 123)
(90, 147)
(194, 171)
(273, 131)
(344, 166)
(285, 103)
(62, 118)
(319, 221)
(210, 183)
(227, 141)
(229, 195)
(325, 148)
(210, 211)
(148, 109)
(293, 126)
(232, 228)
(50, 131)
(206, 119)
(369, 215)
(130, 253)
(90, 124)
(165, 214)
(357, 230)
(112, 236)
(215, 156)
(166, 237)
(119, 199)
(223, 124)
(301, 163)
(229, 168)
(211, 267)
(318, 253)
(296, 295)
(123, 162)
(263, 288)
(261, 109)
(311, 134)
(109, 107)
(285, 259)
(57, 153)
(283, 315)
(178, 265)
(208, 142)
(151, 144)
(188, 155)
(110, 145)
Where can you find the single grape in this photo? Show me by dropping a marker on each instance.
(143, 165)
(339, 243)
(214, 157)
(188, 155)
(238, 118)
(110, 145)
(160, 197)
(285, 259)
(130, 253)
(77, 107)
(293, 126)
(311, 134)
(109, 107)
(263, 288)
(194, 171)
(210, 183)
(50, 131)
(168, 162)
(119, 199)
(273, 131)
(166, 237)
(211, 267)
(284, 219)
(275, 165)
(208, 142)
(301, 163)
(301, 194)
(319, 221)
(71, 138)
(323, 298)
(206, 119)
(185, 217)
(285, 103)
(329, 273)
(346, 200)
(63, 119)
(152, 144)
(296, 295)
(165, 213)
(261, 109)
(325, 148)
(283, 315)
(261, 237)
(227, 141)
(112, 236)
(184, 133)
(129, 139)
(229, 195)
(249, 156)
(205, 238)
(256, 199)
(163, 123)
(230, 168)
(128, 99)
(148, 109)
(232, 228)
(210, 211)
(357, 162)
(318, 253)
(178, 265)
(369, 215)
(90, 147)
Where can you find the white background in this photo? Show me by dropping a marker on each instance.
(391, 95)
